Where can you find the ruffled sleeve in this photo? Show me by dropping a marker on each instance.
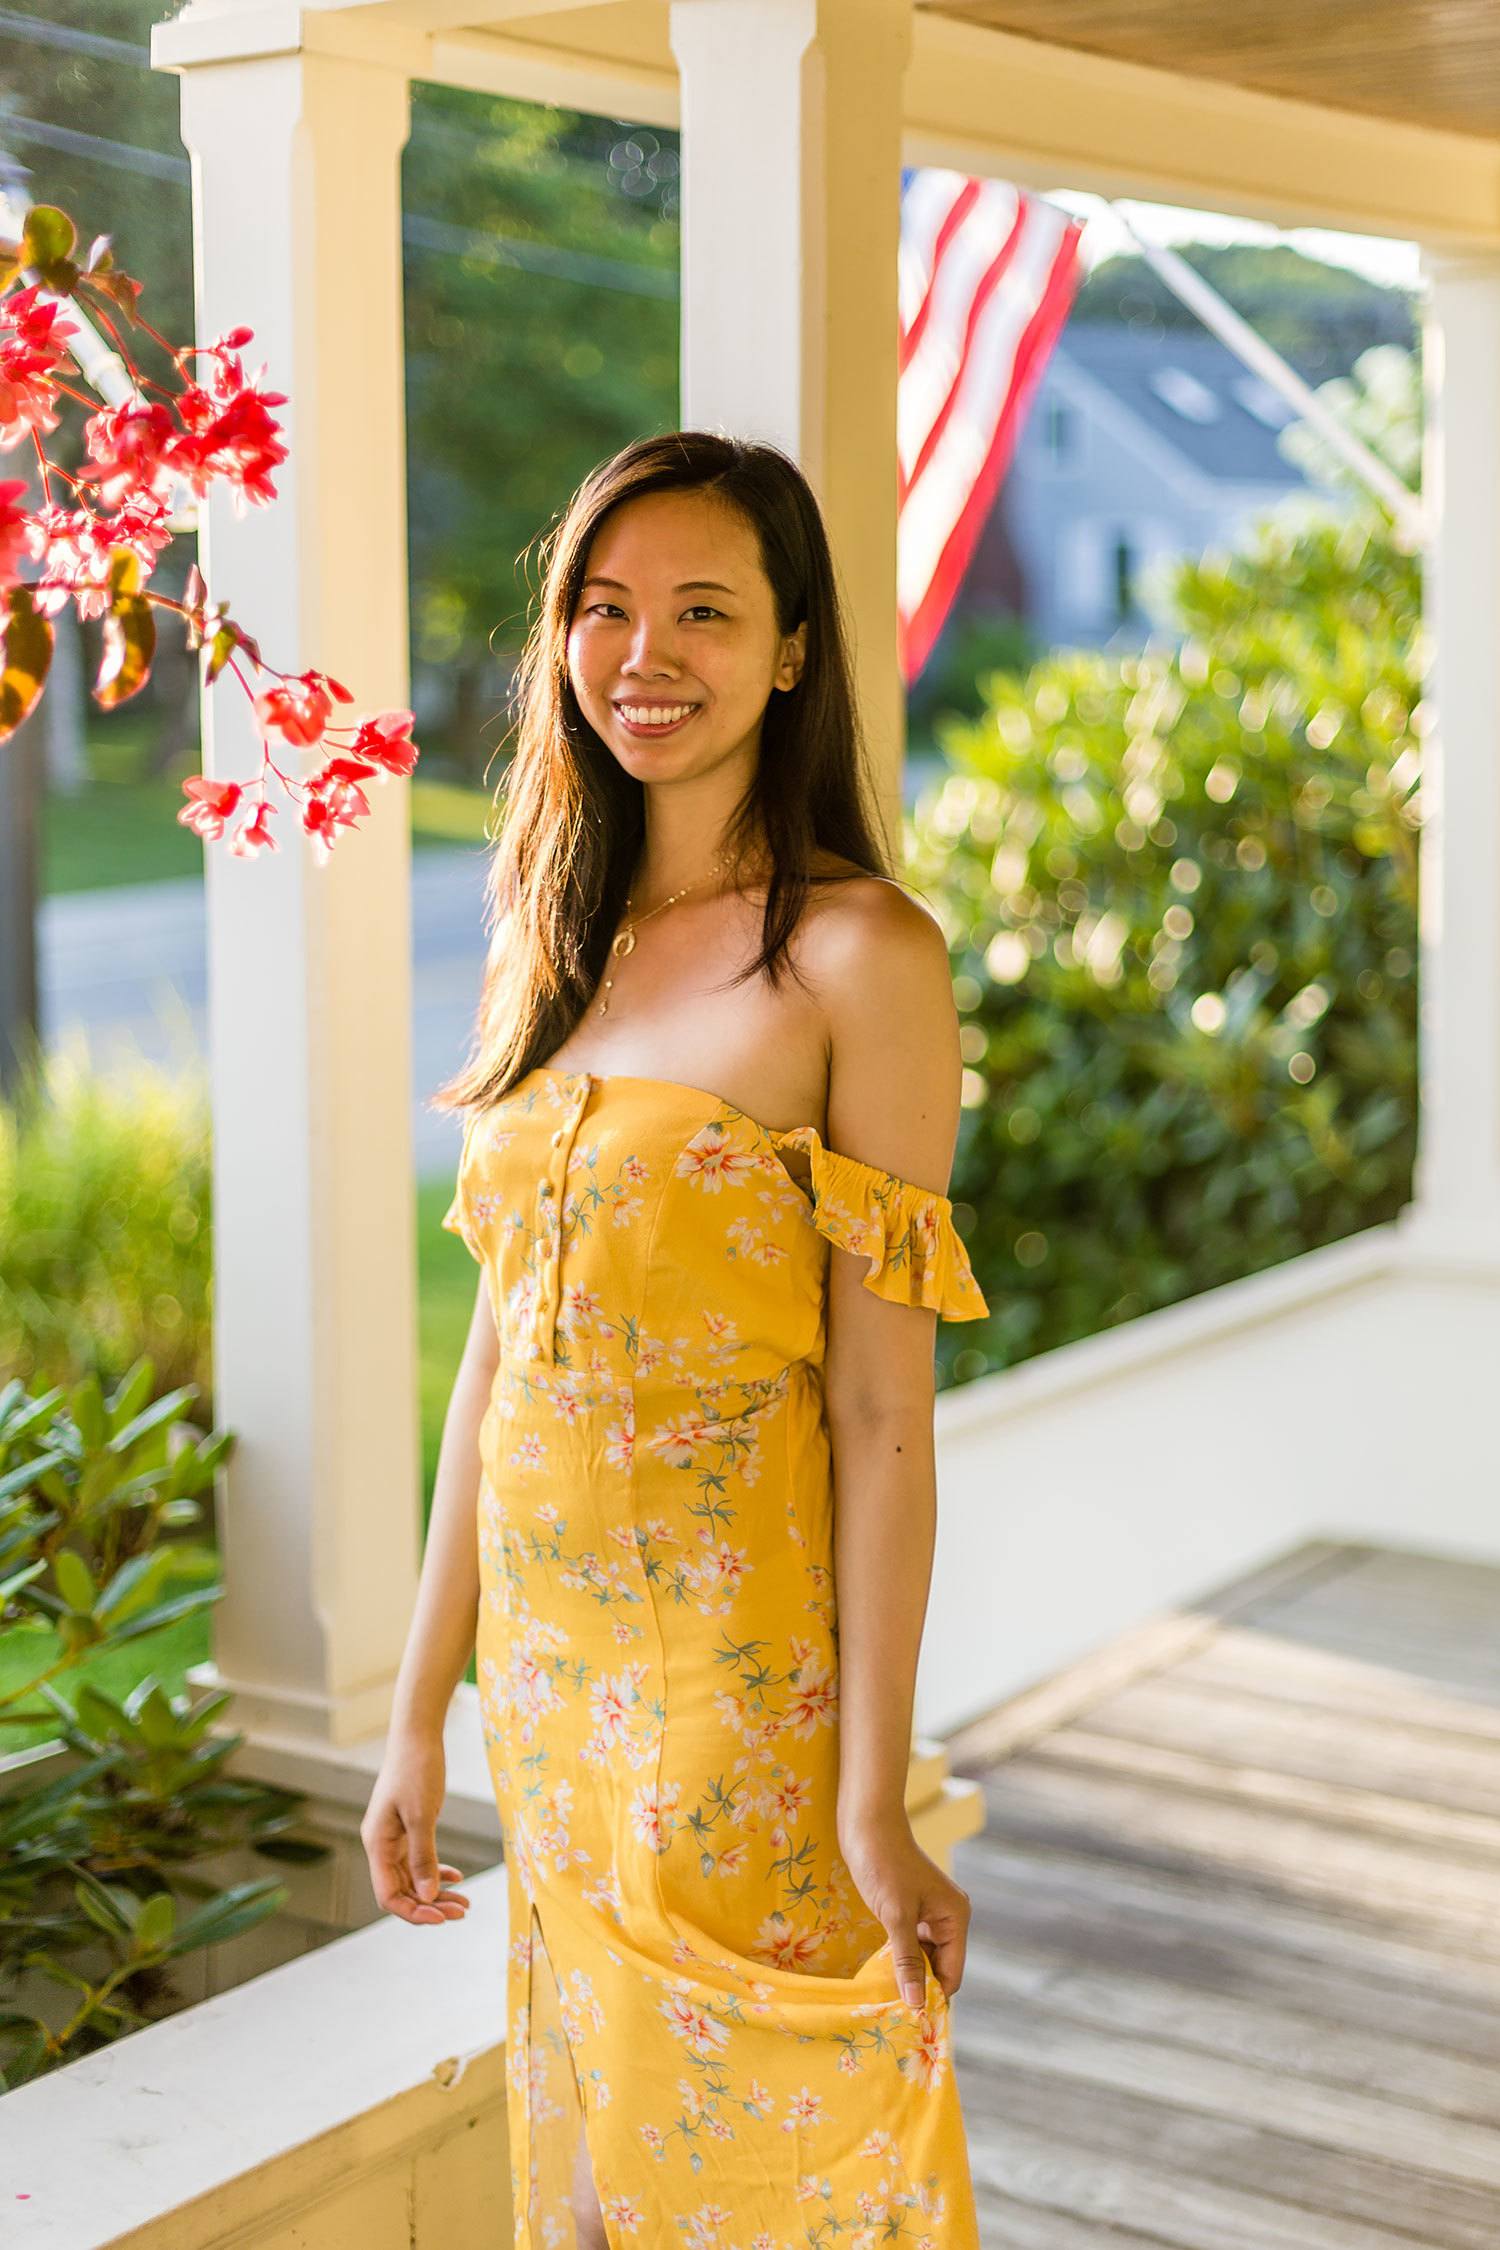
(916, 1254)
(458, 1218)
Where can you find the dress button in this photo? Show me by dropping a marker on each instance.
(545, 1187)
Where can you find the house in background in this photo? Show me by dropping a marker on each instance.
(1137, 446)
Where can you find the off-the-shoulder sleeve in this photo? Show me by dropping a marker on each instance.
(916, 1254)
(458, 1218)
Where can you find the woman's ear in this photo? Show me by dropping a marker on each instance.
(793, 657)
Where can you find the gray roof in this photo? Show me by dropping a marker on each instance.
(1193, 391)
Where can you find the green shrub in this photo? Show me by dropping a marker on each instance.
(1181, 893)
(105, 1192)
(105, 1866)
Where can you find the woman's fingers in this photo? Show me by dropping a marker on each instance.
(946, 1929)
(906, 1960)
(437, 1903)
(391, 1855)
(947, 1957)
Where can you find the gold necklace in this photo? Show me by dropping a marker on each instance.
(623, 941)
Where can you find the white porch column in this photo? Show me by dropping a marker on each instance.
(791, 211)
(1457, 1210)
(297, 230)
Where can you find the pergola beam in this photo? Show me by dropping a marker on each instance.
(982, 101)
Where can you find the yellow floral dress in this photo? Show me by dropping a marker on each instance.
(658, 1676)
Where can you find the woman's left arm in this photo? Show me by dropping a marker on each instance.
(894, 1079)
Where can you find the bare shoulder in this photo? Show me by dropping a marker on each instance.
(878, 960)
(859, 925)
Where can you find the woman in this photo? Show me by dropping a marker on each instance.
(712, 1108)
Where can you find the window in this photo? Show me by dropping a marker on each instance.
(1124, 576)
(1060, 433)
(1186, 396)
(1082, 564)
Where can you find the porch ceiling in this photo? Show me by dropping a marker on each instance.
(1382, 115)
(1416, 62)
(1379, 115)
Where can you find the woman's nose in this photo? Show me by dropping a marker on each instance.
(650, 650)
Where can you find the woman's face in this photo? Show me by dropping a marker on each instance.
(673, 650)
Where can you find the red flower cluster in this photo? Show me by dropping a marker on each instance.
(99, 551)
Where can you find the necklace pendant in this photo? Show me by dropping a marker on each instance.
(624, 943)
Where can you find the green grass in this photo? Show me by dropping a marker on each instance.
(27, 1650)
(447, 1278)
(124, 829)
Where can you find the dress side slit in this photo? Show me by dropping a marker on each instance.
(558, 2113)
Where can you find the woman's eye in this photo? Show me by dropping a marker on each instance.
(596, 608)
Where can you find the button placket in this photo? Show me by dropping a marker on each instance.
(551, 1196)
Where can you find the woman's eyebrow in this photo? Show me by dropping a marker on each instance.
(688, 586)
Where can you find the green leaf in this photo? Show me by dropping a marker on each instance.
(227, 1916)
(166, 1613)
(155, 1922)
(100, 1715)
(47, 235)
(133, 1585)
(132, 1391)
(9, 1587)
(105, 1904)
(74, 1581)
(170, 1407)
(86, 1405)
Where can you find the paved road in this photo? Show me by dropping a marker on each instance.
(123, 971)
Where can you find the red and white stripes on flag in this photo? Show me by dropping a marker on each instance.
(987, 276)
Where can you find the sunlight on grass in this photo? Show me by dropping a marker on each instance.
(126, 830)
(27, 1650)
(449, 812)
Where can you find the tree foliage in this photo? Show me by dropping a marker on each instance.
(540, 276)
(1181, 889)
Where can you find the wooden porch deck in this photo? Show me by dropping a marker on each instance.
(1234, 1969)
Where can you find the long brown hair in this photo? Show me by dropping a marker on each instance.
(573, 820)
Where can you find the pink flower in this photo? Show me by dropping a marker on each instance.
(236, 441)
(296, 709)
(129, 443)
(386, 741)
(28, 356)
(97, 536)
(210, 804)
(253, 836)
(14, 530)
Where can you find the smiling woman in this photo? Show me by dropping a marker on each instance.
(703, 1175)
(655, 659)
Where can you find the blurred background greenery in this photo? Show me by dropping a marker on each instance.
(1181, 890)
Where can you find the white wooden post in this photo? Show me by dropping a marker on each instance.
(1456, 1216)
(791, 212)
(297, 225)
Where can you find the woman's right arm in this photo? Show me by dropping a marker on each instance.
(399, 1827)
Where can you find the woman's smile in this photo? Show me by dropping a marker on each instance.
(650, 719)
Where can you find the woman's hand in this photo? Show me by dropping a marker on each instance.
(912, 1896)
(399, 1833)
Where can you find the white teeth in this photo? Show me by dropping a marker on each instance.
(642, 715)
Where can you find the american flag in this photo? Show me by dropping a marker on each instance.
(987, 276)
